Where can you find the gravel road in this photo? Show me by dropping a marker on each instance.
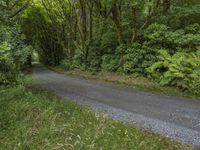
(172, 117)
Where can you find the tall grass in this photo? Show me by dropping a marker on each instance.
(31, 118)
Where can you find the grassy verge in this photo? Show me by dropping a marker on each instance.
(31, 118)
(127, 80)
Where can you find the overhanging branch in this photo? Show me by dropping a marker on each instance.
(26, 5)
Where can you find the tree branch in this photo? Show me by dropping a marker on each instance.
(26, 5)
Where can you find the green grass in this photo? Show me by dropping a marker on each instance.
(140, 83)
(32, 118)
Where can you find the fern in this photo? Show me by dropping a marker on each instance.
(181, 70)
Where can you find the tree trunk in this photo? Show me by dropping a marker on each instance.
(135, 29)
(117, 21)
(166, 6)
(84, 29)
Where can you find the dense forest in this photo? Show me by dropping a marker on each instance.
(156, 39)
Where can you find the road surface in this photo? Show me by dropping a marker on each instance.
(176, 118)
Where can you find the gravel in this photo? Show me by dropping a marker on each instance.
(178, 119)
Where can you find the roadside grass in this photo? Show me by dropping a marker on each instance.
(32, 118)
(132, 81)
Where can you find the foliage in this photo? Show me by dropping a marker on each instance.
(65, 64)
(14, 55)
(109, 42)
(189, 38)
(155, 34)
(8, 73)
(185, 14)
(95, 57)
(181, 70)
(99, 35)
(161, 36)
(110, 63)
(74, 63)
(138, 58)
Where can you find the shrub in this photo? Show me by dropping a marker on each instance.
(181, 70)
(161, 36)
(155, 34)
(94, 58)
(110, 63)
(109, 42)
(65, 64)
(180, 38)
(8, 71)
(78, 61)
(15, 55)
(138, 58)
(193, 29)
(73, 63)
(94, 63)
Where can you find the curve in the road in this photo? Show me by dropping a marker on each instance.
(173, 117)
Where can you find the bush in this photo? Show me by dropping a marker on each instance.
(65, 64)
(109, 42)
(155, 34)
(78, 61)
(180, 38)
(15, 55)
(110, 63)
(94, 58)
(8, 71)
(73, 63)
(181, 70)
(160, 36)
(138, 58)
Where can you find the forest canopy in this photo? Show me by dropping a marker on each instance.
(157, 39)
